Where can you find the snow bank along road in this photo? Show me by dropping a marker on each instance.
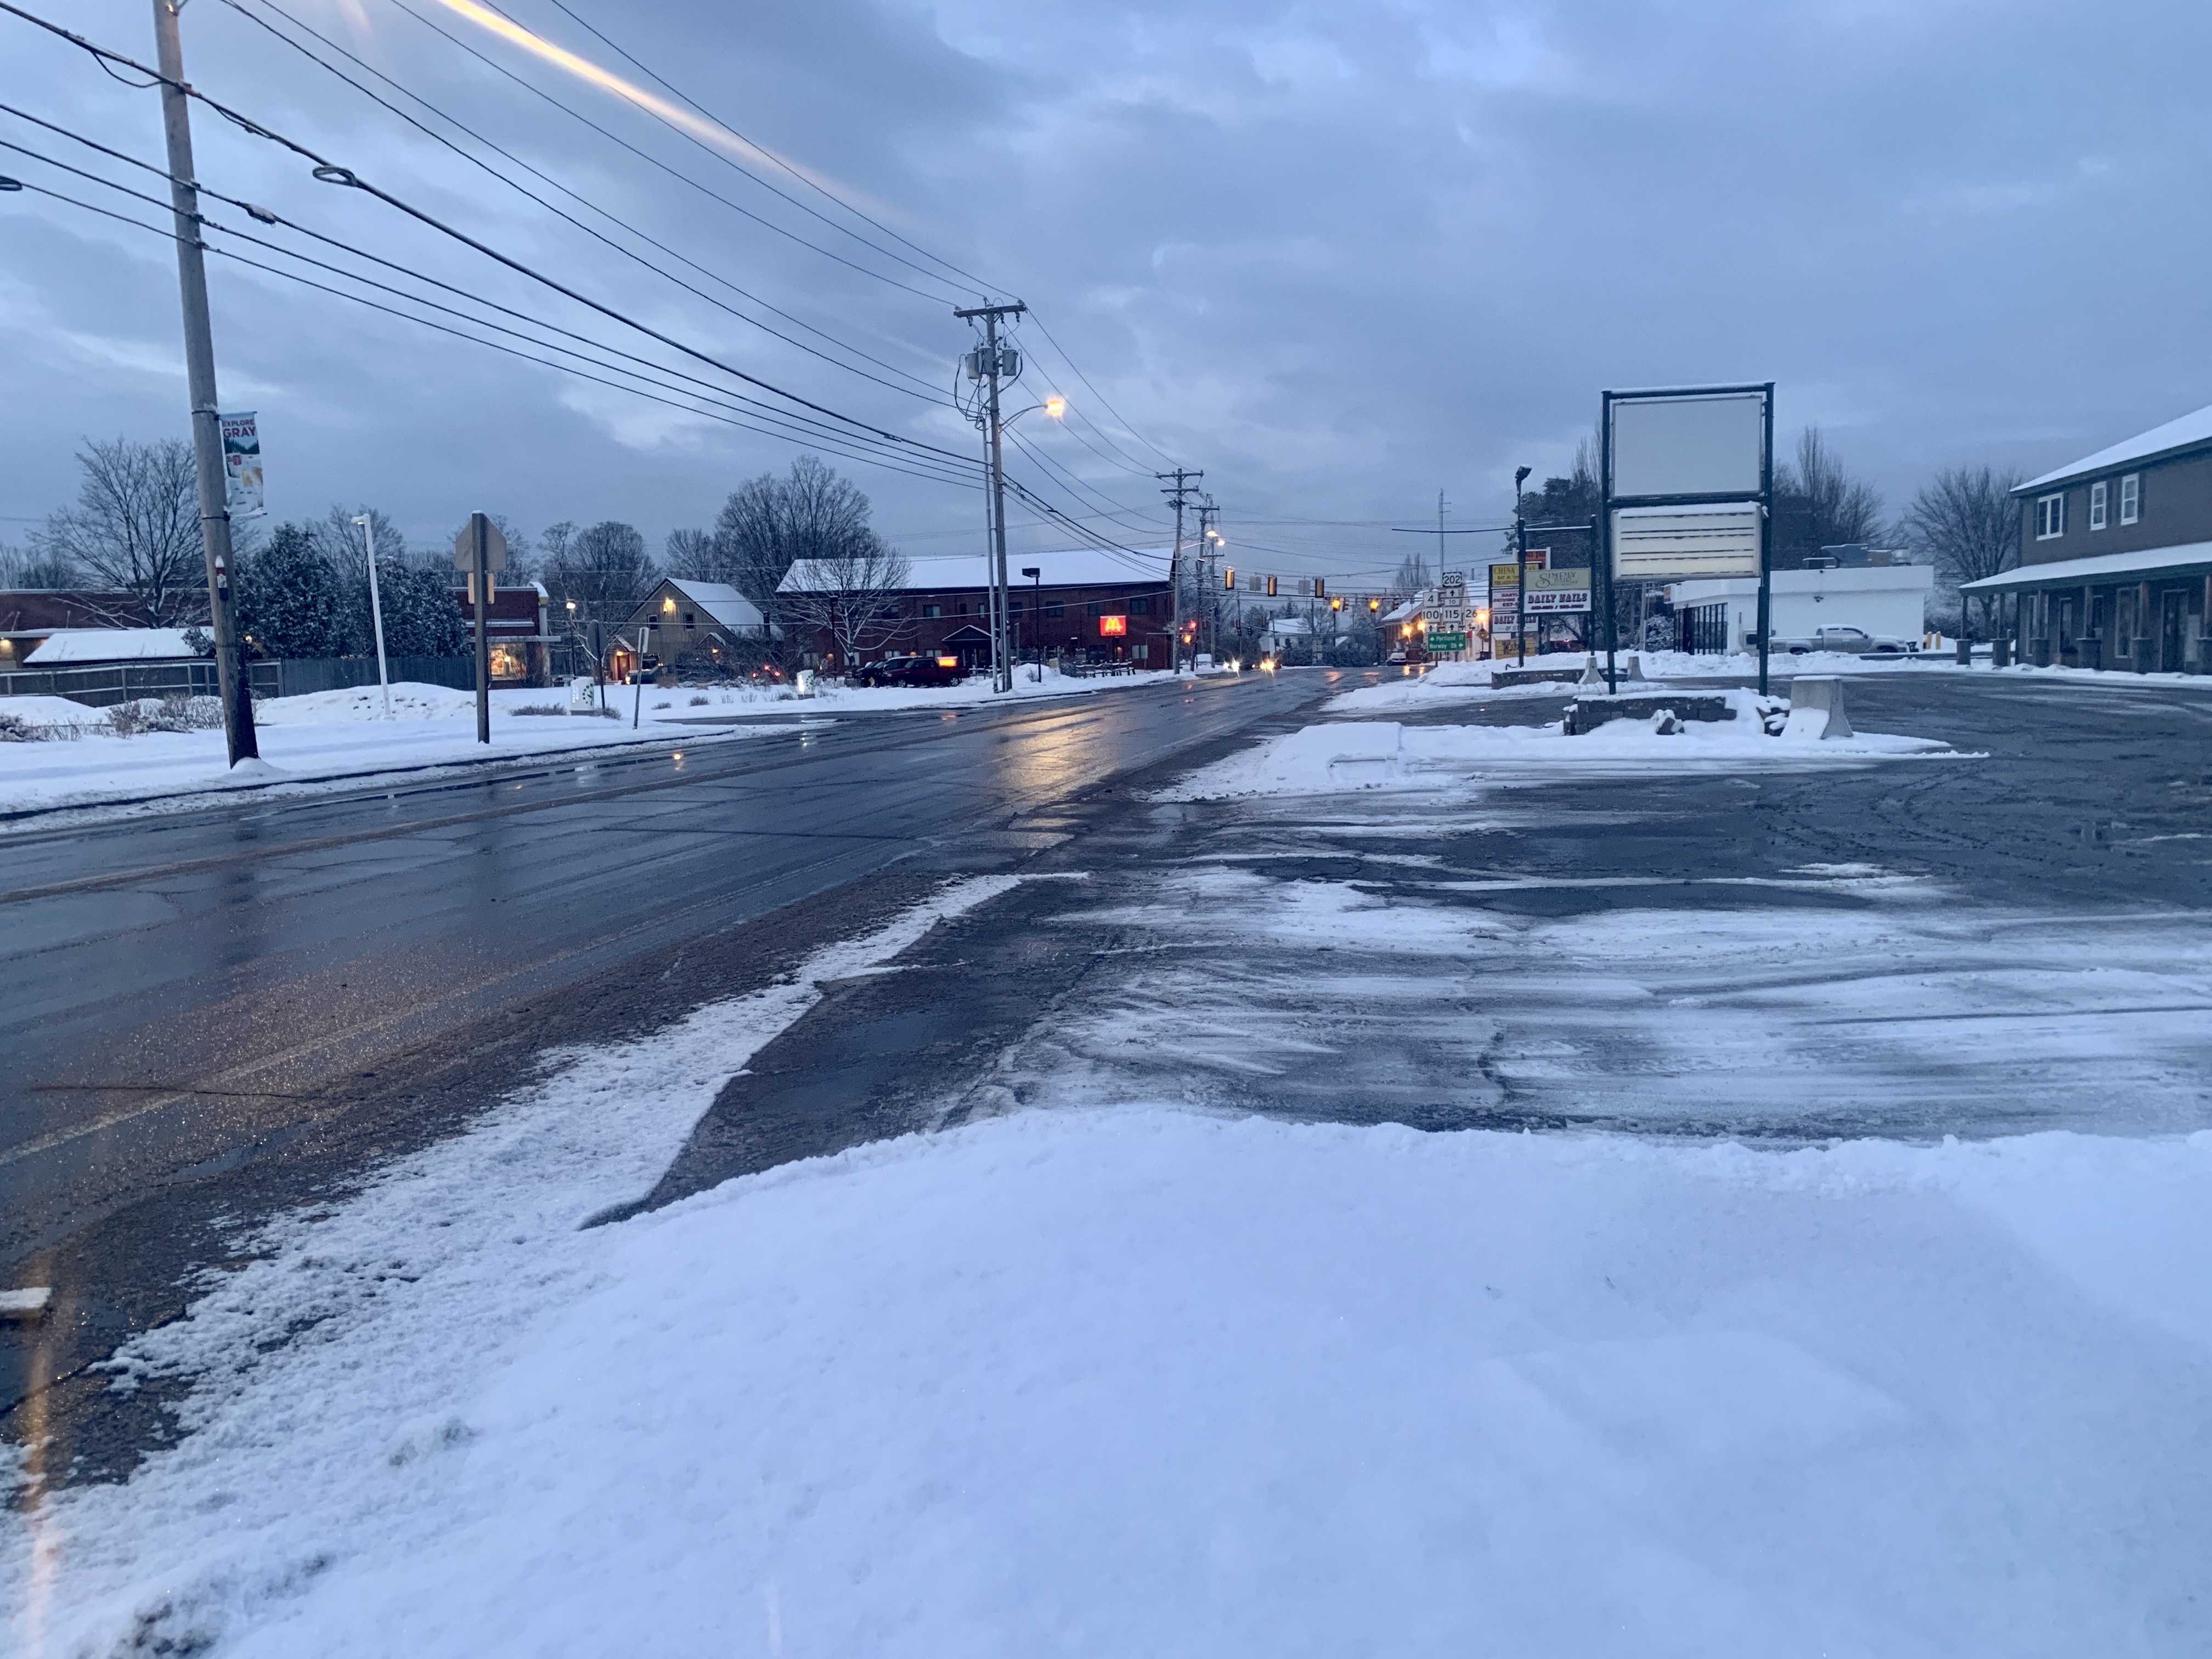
(203, 1008)
(1743, 1354)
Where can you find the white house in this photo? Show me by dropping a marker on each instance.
(1884, 599)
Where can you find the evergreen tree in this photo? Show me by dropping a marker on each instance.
(422, 611)
(290, 605)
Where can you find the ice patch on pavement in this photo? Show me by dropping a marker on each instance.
(1147, 1382)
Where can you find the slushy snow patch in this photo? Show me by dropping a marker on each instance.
(1148, 1383)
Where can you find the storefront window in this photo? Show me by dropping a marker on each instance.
(507, 664)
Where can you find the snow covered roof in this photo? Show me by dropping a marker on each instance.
(2189, 557)
(2184, 432)
(1074, 567)
(65, 646)
(724, 602)
(1405, 612)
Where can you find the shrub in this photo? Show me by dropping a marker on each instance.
(15, 729)
(699, 702)
(538, 709)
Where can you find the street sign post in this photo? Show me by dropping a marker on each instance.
(480, 550)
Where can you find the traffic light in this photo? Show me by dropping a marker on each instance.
(1229, 579)
(1271, 588)
(1320, 588)
(1336, 604)
(1374, 604)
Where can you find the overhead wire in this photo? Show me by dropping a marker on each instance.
(801, 428)
(976, 284)
(917, 387)
(836, 443)
(330, 172)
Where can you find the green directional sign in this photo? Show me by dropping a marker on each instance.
(1447, 641)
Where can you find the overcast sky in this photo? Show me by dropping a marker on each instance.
(1338, 256)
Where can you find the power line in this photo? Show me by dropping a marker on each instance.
(330, 172)
(804, 428)
(976, 284)
(813, 440)
(926, 391)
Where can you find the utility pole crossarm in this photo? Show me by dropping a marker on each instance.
(1002, 662)
(1184, 477)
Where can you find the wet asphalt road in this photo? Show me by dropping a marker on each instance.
(2014, 939)
(213, 1014)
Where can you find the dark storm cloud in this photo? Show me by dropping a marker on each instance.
(1338, 257)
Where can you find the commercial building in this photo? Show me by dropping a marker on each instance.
(2116, 557)
(1085, 605)
(1865, 589)
(515, 631)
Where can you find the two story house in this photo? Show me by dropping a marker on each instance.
(2116, 555)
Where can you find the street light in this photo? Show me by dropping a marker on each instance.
(1035, 575)
(375, 607)
(1002, 644)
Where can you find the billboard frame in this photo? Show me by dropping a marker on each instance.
(1763, 497)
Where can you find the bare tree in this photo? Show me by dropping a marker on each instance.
(772, 522)
(134, 530)
(29, 568)
(1968, 525)
(1818, 504)
(690, 553)
(605, 569)
(855, 594)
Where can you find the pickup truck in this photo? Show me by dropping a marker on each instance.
(1851, 641)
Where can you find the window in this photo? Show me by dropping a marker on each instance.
(933, 610)
(961, 609)
(2050, 517)
(2131, 498)
(1141, 607)
(687, 621)
(2096, 505)
(1054, 610)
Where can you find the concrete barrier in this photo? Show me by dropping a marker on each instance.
(1816, 707)
(1564, 672)
(1591, 674)
(1587, 713)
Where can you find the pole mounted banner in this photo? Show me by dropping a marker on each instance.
(241, 465)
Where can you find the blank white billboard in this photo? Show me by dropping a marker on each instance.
(1698, 443)
(1667, 544)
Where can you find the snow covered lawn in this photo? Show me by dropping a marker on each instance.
(327, 736)
(1140, 1382)
(1383, 754)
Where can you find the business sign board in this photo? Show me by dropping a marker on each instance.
(1668, 544)
(1559, 592)
(1690, 443)
(241, 465)
(1112, 626)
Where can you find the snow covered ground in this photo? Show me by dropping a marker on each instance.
(1384, 754)
(325, 737)
(1466, 682)
(1143, 1382)
(840, 699)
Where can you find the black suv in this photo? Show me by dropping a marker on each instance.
(912, 670)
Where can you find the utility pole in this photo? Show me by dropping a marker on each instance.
(1211, 599)
(375, 607)
(1440, 539)
(213, 490)
(988, 364)
(1521, 580)
(1180, 491)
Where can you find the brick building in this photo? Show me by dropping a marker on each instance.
(515, 631)
(1085, 605)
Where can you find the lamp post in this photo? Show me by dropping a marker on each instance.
(1035, 574)
(375, 607)
(1521, 564)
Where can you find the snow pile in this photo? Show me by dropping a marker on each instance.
(856, 699)
(1147, 1382)
(411, 700)
(43, 712)
(1314, 760)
